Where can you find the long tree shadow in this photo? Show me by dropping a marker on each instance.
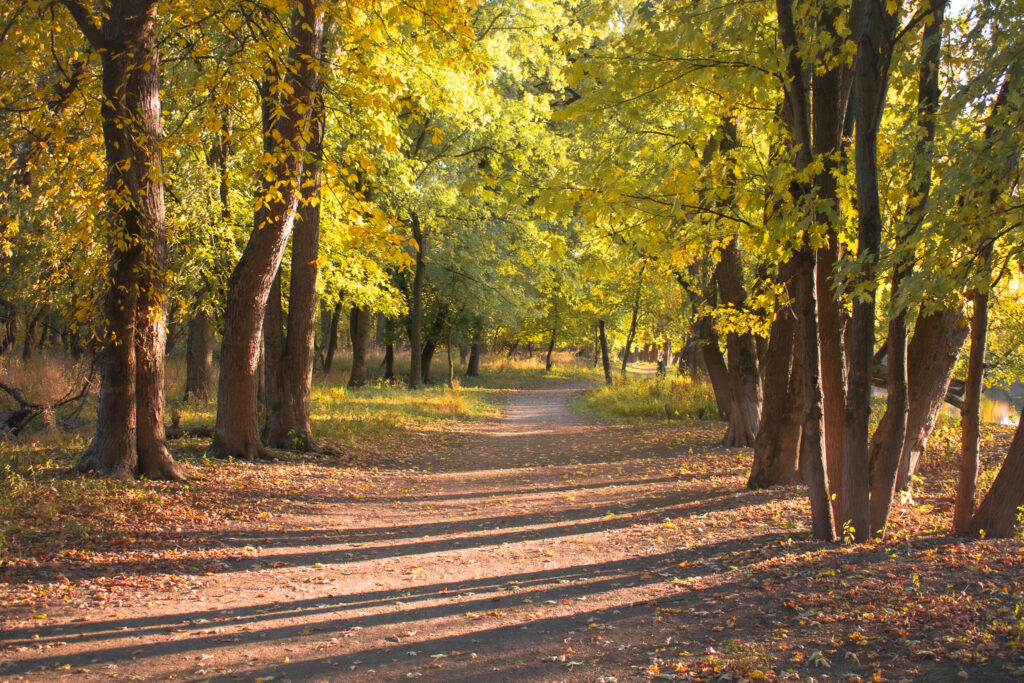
(448, 535)
(728, 608)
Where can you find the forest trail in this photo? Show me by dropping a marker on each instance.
(541, 546)
(516, 543)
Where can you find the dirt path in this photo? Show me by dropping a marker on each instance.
(518, 537)
(538, 547)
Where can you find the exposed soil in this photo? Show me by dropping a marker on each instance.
(540, 547)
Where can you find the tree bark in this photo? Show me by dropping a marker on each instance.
(970, 417)
(473, 368)
(416, 306)
(931, 357)
(606, 361)
(427, 359)
(199, 358)
(273, 352)
(633, 319)
(30, 332)
(831, 94)
(714, 365)
(360, 327)
(812, 442)
(451, 366)
(776, 453)
(237, 433)
(551, 350)
(886, 444)
(744, 379)
(287, 420)
(999, 514)
(871, 84)
(129, 438)
(332, 337)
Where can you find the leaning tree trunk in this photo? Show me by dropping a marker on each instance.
(237, 433)
(287, 425)
(199, 358)
(606, 361)
(129, 438)
(360, 326)
(389, 350)
(931, 357)
(999, 515)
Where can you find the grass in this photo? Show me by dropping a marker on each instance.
(650, 398)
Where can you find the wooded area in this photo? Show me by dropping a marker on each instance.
(797, 204)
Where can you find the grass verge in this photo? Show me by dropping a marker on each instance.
(651, 398)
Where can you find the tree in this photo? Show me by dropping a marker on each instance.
(129, 439)
(236, 433)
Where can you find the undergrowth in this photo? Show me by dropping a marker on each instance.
(654, 398)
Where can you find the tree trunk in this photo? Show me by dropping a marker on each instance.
(886, 447)
(237, 433)
(931, 357)
(451, 366)
(199, 358)
(999, 514)
(427, 359)
(812, 441)
(714, 365)
(551, 350)
(389, 361)
(970, 417)
(744, 379)
(473, 368)
(129, 438)
(606, 361)
(30, 332)
(831, 98)
(633, 319)
(360, 326)
(871, 84)
(776, 453)
(273, 351)
(812, 444)
(287, 423)
(886, 444)
(416, 369)
(332, 337)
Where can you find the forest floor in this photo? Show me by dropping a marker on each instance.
(540, 546)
